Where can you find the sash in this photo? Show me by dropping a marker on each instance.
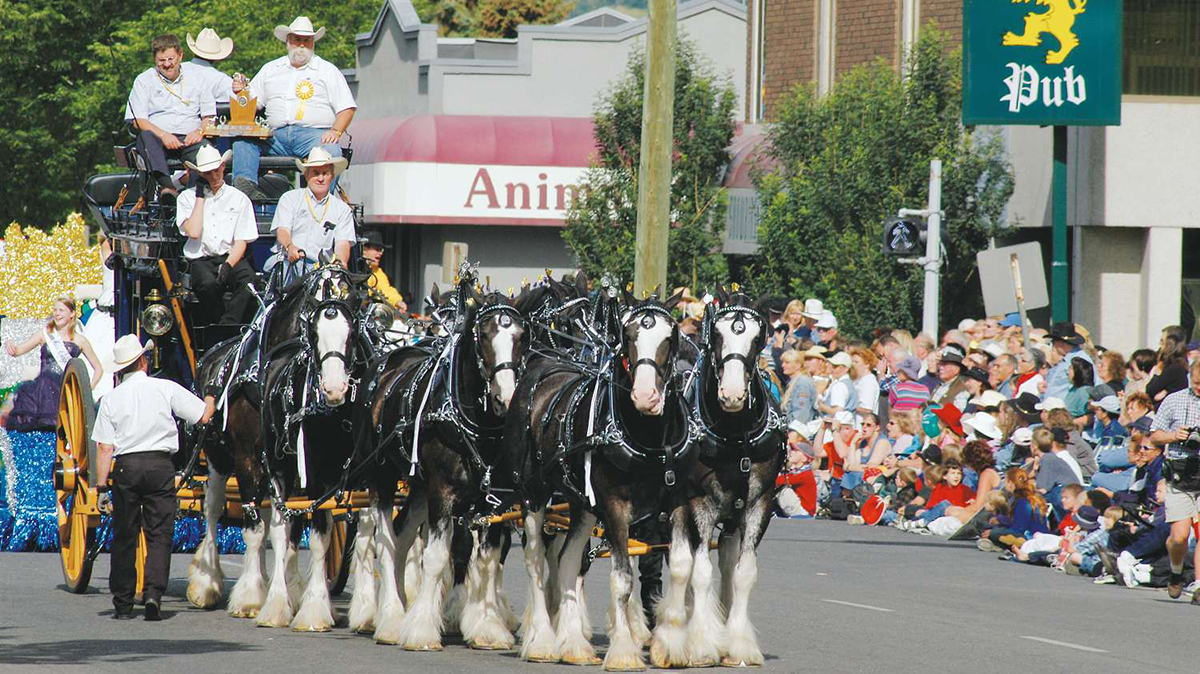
(54, 344)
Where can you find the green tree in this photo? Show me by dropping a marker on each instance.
(848, 161)
(490, 18)
(602, 221)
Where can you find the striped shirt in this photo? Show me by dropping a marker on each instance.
(1180, 409)
(908, 395)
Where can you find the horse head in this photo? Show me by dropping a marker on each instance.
(737, 332)
(498, 327)
(333, 299)
(649, 342)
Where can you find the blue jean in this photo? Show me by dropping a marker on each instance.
(935, 512)
(1114, 481)
(1114, 459)
(851, 479)
(286, 141)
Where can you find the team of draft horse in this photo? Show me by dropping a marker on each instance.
(511, 411)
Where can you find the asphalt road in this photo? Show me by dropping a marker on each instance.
(830, 598)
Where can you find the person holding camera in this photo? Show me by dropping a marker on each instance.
(1177, 425)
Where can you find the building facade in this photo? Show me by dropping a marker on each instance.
(482, 142)
(1133, 210)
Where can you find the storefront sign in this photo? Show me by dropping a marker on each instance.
(442, 193)
(1043, 62)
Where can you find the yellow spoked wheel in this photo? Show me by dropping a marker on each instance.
(341, 550)
(75, 458)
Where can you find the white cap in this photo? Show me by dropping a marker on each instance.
(827, 320)
(1051, 404)
(841, 358)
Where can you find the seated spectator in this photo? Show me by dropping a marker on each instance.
(982, 426)
(988, 401)
(949, 492)
(841, 394)
(1110, 370)
(1141, 364)
(1082, 374)
(800, 395)
(865, 384)
(1093, 529)
(1029, 512)
(1040, 546)
(1017, 451)
(907, 488)
(1170, 374)
(949, 426)
(902, 432)
(1138, 408)
(951, 388)
(1002, 375)
(1138, 543)
(1078, 449)
(1052, 467)
(869, 447)
(977, 457)
(908, 393)
(798, 475)
(1107, 410)
(1031, 372)
(1138, 489)
(832, 442)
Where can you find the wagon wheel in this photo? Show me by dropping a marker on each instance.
(75, 458)
(341, 551)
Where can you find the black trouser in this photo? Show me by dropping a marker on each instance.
(143, 497)
(204, 284)
(155, 155)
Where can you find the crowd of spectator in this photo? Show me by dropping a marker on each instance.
(1043, 446)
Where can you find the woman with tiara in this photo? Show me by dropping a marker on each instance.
(35, 403)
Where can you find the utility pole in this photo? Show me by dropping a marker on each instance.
(654, 169)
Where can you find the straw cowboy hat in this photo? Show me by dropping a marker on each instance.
(302, 27)
(813, 309)
(983, 424)
(319, 156)
(127, 349)
(208, 158)
(208, 45)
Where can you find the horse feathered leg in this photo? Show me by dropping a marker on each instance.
(362, 603)
(276, 610)
(316, 610)
(706, 637)
(490, 630)
(624, 651)
(250, 590)
(669, 647)
(389, 611)
(571, 643)
(537, 640)
(421, 629)
(743, 643)
(204, 573)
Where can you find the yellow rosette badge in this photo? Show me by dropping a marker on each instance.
(304, 91)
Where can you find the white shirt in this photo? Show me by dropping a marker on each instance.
(219, 83)
(1070, 461)
(277, 83)
(299, 211)
(228, 217)
(838, 393)
(139, 415)
(175, 107)
(868, 392)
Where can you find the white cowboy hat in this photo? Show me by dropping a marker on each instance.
(208, 158)
(127, 349)
(1051, 403)
(302, 27)
(827, 321)
(813, 309)
(208, 45)
(983, 424)
(319, 156)
(988, 398)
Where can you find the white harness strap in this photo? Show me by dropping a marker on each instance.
(300, 464)
(424, 400)
(587, 456)
(255, 328)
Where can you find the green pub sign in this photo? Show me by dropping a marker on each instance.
(1044, 62)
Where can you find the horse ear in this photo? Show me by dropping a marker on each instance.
(528, 299)
(673, 300)
(627, 295)
(581, 283)
(762, 305)
(721, 295)
(435, 295)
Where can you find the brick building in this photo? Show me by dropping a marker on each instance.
(1133, 212)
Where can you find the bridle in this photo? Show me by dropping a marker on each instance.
(505, 316)
(645, 316)
(739, 314)
(329, 308)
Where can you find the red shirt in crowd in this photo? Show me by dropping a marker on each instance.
(955, 495)
(1067, 522)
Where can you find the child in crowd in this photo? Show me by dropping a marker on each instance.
(1037, 550)
(1028, 515)
(949, 492)
(1086, 553)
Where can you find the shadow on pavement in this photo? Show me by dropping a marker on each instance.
(84, 651)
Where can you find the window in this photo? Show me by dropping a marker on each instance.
(1162, 47)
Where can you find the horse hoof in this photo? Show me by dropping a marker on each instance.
(706, 662)
(625, 664)
(312, 628)
(424, 648)
(486, 646)
(730, 662)
(547, 658)
(580, 659)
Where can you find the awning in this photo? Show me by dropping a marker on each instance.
(459, 169)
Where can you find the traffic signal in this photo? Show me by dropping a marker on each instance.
(904, 236)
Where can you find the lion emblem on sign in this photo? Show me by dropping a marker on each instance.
(1057, 21)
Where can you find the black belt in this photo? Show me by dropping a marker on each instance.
(150, 454)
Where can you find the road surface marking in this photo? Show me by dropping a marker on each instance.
(1065, 644)
(847, 603)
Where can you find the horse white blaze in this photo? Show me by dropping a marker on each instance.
(646, 396)
(731, 389)
(504, 346)
(333, 336)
